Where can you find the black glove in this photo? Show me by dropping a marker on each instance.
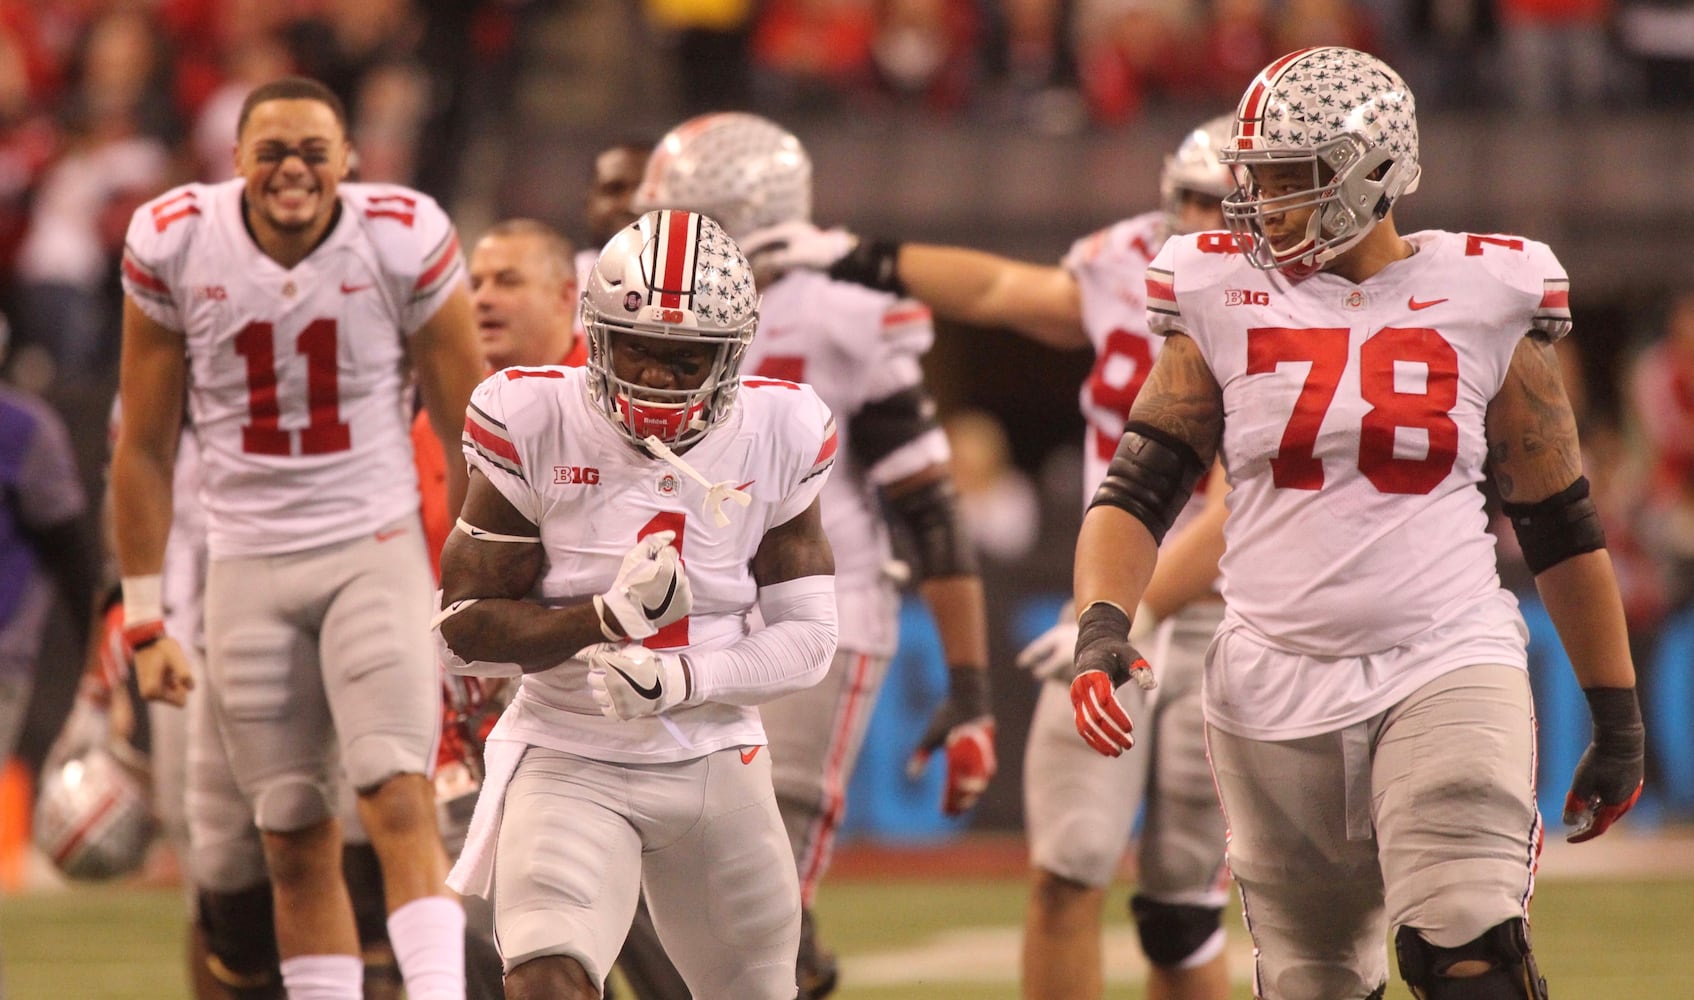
(1608, 777)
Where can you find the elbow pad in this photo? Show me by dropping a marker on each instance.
(931, 512)
(1151, 476)
(1550, 531)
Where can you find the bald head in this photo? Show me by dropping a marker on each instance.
(523, 288)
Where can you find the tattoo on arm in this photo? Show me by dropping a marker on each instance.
(1532, 441)
(1182, 397)
(795, 549)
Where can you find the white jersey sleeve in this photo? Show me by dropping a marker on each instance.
(416, 244)
(155, 246)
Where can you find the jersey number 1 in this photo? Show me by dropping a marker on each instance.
(324, 432)
(676, 633)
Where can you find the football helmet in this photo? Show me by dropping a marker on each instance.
(745, 171)
(670, 275)
(1350, 117)
(92, 818)
(1195, 166)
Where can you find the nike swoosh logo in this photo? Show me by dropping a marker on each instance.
(748, 754)
(650, 693)
(383, 536)
(347, 289)
(664, 605)
(748, 483)
(1414, 305)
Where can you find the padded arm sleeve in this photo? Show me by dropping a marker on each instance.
(791, 652)
(1151, 476)
(1565, 524)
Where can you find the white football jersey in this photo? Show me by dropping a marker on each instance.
(1354, 434)
(298, 389)
(854, 346)
(536, 436)
(1110, 268)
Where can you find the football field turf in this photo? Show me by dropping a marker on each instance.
(901, 938)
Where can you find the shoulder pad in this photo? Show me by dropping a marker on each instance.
(1129, 242)
(1526, 266)
(161, 229)
(1186, 265)
(410, 231)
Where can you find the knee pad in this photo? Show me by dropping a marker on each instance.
(1504, 948)
(1176, 935)
(240, 932)
(362, 872)
(291, 804)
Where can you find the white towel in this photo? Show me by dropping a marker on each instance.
(473, 873)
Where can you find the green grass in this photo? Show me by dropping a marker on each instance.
(935, 940)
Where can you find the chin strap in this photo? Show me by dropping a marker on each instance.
(716, 493)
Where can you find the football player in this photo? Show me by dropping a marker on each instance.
(296, 304)
(861, 350)
(1367, 701)
(1078, 806)
(624, 521)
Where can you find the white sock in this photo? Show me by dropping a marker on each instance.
(324, 977)
(428, 936)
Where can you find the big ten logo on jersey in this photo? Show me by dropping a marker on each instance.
(576, 475)
(1245, 297)
(211, 293)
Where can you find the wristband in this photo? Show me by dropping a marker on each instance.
(873, 264)
(1615, 712)
(139, 637)
(1104, 621)
(600, 616)
(968, 689)
(143, 598)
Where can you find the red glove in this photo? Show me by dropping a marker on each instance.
(964, 725)
(1105, 661)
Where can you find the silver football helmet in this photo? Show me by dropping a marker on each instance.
(91, 818)
(1196, 167)
(1350, 117)
(669, 275)
(745, 171)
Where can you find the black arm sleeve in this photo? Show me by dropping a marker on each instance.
(1151, 476)
(931, 514)
(1550, 531)
(882, 427)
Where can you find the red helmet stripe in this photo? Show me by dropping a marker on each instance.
(680, 230)
(1252, 105)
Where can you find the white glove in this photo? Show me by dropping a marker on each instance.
(651, 590)
(796, 245)
(632, 681)
(1048, 657)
